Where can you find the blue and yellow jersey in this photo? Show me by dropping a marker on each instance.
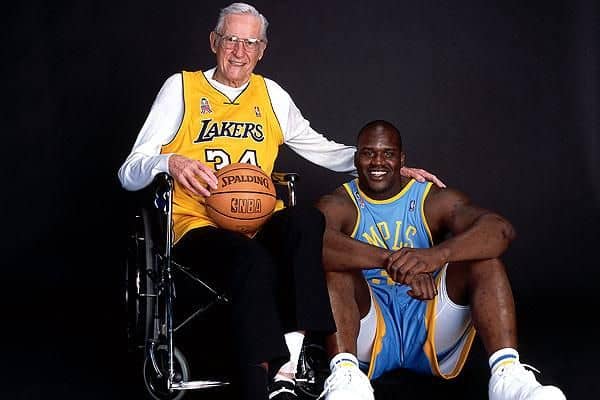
(405, 330)
(393, 223)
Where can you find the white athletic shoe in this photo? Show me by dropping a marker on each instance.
(347, 383)
(514, 382)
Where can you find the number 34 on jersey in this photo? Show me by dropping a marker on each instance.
(220, 158)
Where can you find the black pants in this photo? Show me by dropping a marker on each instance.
(275, 281)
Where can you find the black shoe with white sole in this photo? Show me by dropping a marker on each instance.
(282, 390)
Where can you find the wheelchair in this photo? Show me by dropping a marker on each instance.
(150, 293)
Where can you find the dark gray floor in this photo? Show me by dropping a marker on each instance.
(73, 350)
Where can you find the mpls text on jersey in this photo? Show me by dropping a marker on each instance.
(210, 130)
(379, 235)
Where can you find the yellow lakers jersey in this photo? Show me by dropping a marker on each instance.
(217, 132)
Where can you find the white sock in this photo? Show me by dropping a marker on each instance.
(343, 360)
(294, 341)
(503, 357)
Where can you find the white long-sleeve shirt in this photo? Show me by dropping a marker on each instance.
(164, 119)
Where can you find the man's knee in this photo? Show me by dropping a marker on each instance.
(340, 285)
(464, 270)
(341, 280)
(464, 276)
(349, 285)
(488, 268)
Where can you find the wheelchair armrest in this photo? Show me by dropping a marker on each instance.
(162, 190)
(283, 178)
(163, 182)
(288, 179)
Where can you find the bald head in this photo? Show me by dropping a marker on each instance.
(380, 126)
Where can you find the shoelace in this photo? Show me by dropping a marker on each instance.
(531, 367)
(331, 381)
(513, 368)
(514, 371)
(346, 375)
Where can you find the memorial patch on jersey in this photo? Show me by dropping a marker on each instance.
(210, 130)
(205, 106)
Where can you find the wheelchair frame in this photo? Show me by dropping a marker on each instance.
(149, 296)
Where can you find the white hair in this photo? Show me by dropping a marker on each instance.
(242, 8)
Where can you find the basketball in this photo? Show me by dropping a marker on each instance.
(244, 199)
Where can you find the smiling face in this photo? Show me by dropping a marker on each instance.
(378, 160)
(235, 64)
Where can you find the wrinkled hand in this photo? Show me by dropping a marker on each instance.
(420, 175)
(405, 264)
(187, 172)
(423, 287)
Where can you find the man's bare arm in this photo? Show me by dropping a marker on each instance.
(477, 234)
(340, 251)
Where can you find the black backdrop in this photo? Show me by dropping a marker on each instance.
(499, 98)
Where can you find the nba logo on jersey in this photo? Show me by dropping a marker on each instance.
(257, 111)
(411, 206)
(205, 106)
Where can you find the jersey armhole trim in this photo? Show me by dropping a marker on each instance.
(425, 223)
(281, 139)
(356, 223)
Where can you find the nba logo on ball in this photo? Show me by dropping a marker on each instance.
(244, 199)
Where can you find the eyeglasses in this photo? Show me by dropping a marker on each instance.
(249, 44)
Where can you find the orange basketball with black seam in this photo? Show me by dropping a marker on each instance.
(244, 199)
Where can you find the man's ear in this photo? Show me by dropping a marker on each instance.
(356, 159)
(402, 159)
(213, 38)
(262, 52)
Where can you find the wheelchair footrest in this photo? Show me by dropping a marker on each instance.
(185, 385)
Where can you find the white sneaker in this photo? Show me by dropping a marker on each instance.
(347, 383)
(514, 382)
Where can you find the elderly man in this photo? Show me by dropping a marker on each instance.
(202, 121)
(412, 270)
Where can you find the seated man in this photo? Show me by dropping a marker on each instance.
(412, 270)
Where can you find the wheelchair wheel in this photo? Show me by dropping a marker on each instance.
(157, 385)
(140, 276)
(312, 371)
